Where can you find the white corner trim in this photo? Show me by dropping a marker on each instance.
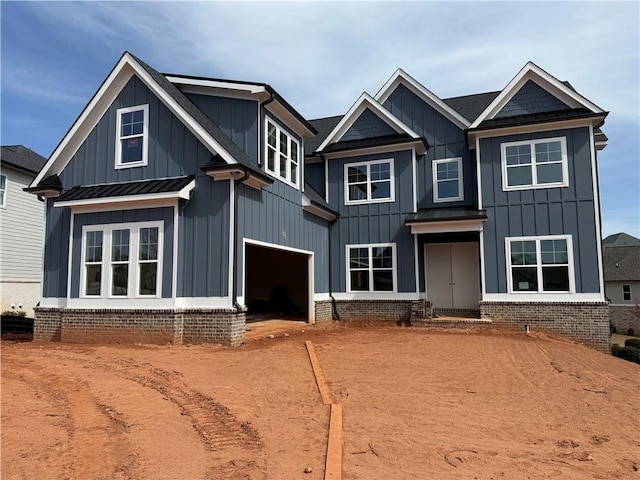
(546, 81)
(478, 174)
(232, 239)
(401, 77)
(365, 101)
(414, 176)
(596, 213)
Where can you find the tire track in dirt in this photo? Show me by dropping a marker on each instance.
(236, 446)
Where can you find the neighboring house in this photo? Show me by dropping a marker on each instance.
(175, 203)
(622, 281)
(22, 231)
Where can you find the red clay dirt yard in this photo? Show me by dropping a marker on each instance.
(417, 404)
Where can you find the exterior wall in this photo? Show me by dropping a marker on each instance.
(373, 222)
(445, 140)
(21, 243)
(531, 98)
(368, 125)
(625, 318)
(587, 323)
(545, 211)
(138, 326)
(374, 310)
(173, 149)
(237, 118)
(324, 311)
(614, 292)
(56, 251)
(314, 176)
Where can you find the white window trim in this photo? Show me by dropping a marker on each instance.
(434, 168)
(370, 246)
(145, 137)
(538, 265)
(3, 202)
(295, 184)
(368, 163)
(134, 262)
(534, 174)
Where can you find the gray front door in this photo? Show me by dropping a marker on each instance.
(452, 275)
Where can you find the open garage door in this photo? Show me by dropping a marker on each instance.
(277, 283)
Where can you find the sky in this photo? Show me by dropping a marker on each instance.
(321, 56)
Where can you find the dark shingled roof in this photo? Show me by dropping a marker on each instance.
(22, 158)
(573, 113)
(621, 263)
(142, 187)
(317, 199)
(324, 127)
(444, 214)
(471, 106)
(212, 129)
(620, 240)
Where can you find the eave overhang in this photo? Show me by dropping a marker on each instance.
(238, 172)
(446, 220)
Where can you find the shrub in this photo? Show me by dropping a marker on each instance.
(630, 332)
(632, 342)
(14, 313)
(626, 353)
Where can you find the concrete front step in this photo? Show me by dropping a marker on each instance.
(451, 322)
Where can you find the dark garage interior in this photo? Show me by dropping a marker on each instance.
(276, 283)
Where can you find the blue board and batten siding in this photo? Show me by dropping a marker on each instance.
(445, 140)
(547, 211)
(236, 117)
(530, 99)
(374, 222)
(368, 125)
(173, 151)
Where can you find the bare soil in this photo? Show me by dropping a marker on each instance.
(418, 404)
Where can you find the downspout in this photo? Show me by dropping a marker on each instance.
(334, 308)
(262, 105)
(234, 293)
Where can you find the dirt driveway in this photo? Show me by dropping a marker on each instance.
(418, 404)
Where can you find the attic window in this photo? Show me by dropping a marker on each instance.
(132, 136)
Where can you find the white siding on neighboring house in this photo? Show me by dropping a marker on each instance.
(614, 292)
(21, 240)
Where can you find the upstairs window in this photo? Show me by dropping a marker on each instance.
(626, 292)
(535, 164)
(132, 136)
(447, 180)
(369, 182)
(282, 154)
(371, 268)
(3, 190)
(540, 264)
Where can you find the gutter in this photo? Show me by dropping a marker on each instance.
(271, 98)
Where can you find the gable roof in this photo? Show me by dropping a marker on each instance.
(620, 239)
(363, 103)
(470, 106)
(401, 77)
(207, 132)
(22, 158)
(531, 72)
(621, 263)
(323, 126)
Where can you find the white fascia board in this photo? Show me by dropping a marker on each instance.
(365, 101)
(414, 145)
(546, 81)
(447, 226)
(402, 77)
(252, 88)
(531, 128)
(151, 200)
(289, 119)
(99, 104)
(315, 210)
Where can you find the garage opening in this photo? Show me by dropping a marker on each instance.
(276, 284)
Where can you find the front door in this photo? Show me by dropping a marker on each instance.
(452, 275)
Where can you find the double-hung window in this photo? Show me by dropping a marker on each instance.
(122, 260)
(3, 190)
(132, 132)
(540, 264)
(534, 164)
(371, 268)
(282, 154)
(369, 182)
(626, 293)
(447, 180)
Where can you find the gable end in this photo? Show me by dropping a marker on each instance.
(531, 99)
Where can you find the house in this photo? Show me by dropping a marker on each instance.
(178, 205)
(622, 281)
(22, 232)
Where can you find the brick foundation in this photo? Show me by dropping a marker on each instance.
(386, 310)
(587, 323)
(138, 326)
(323, 311)
(457, 312)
